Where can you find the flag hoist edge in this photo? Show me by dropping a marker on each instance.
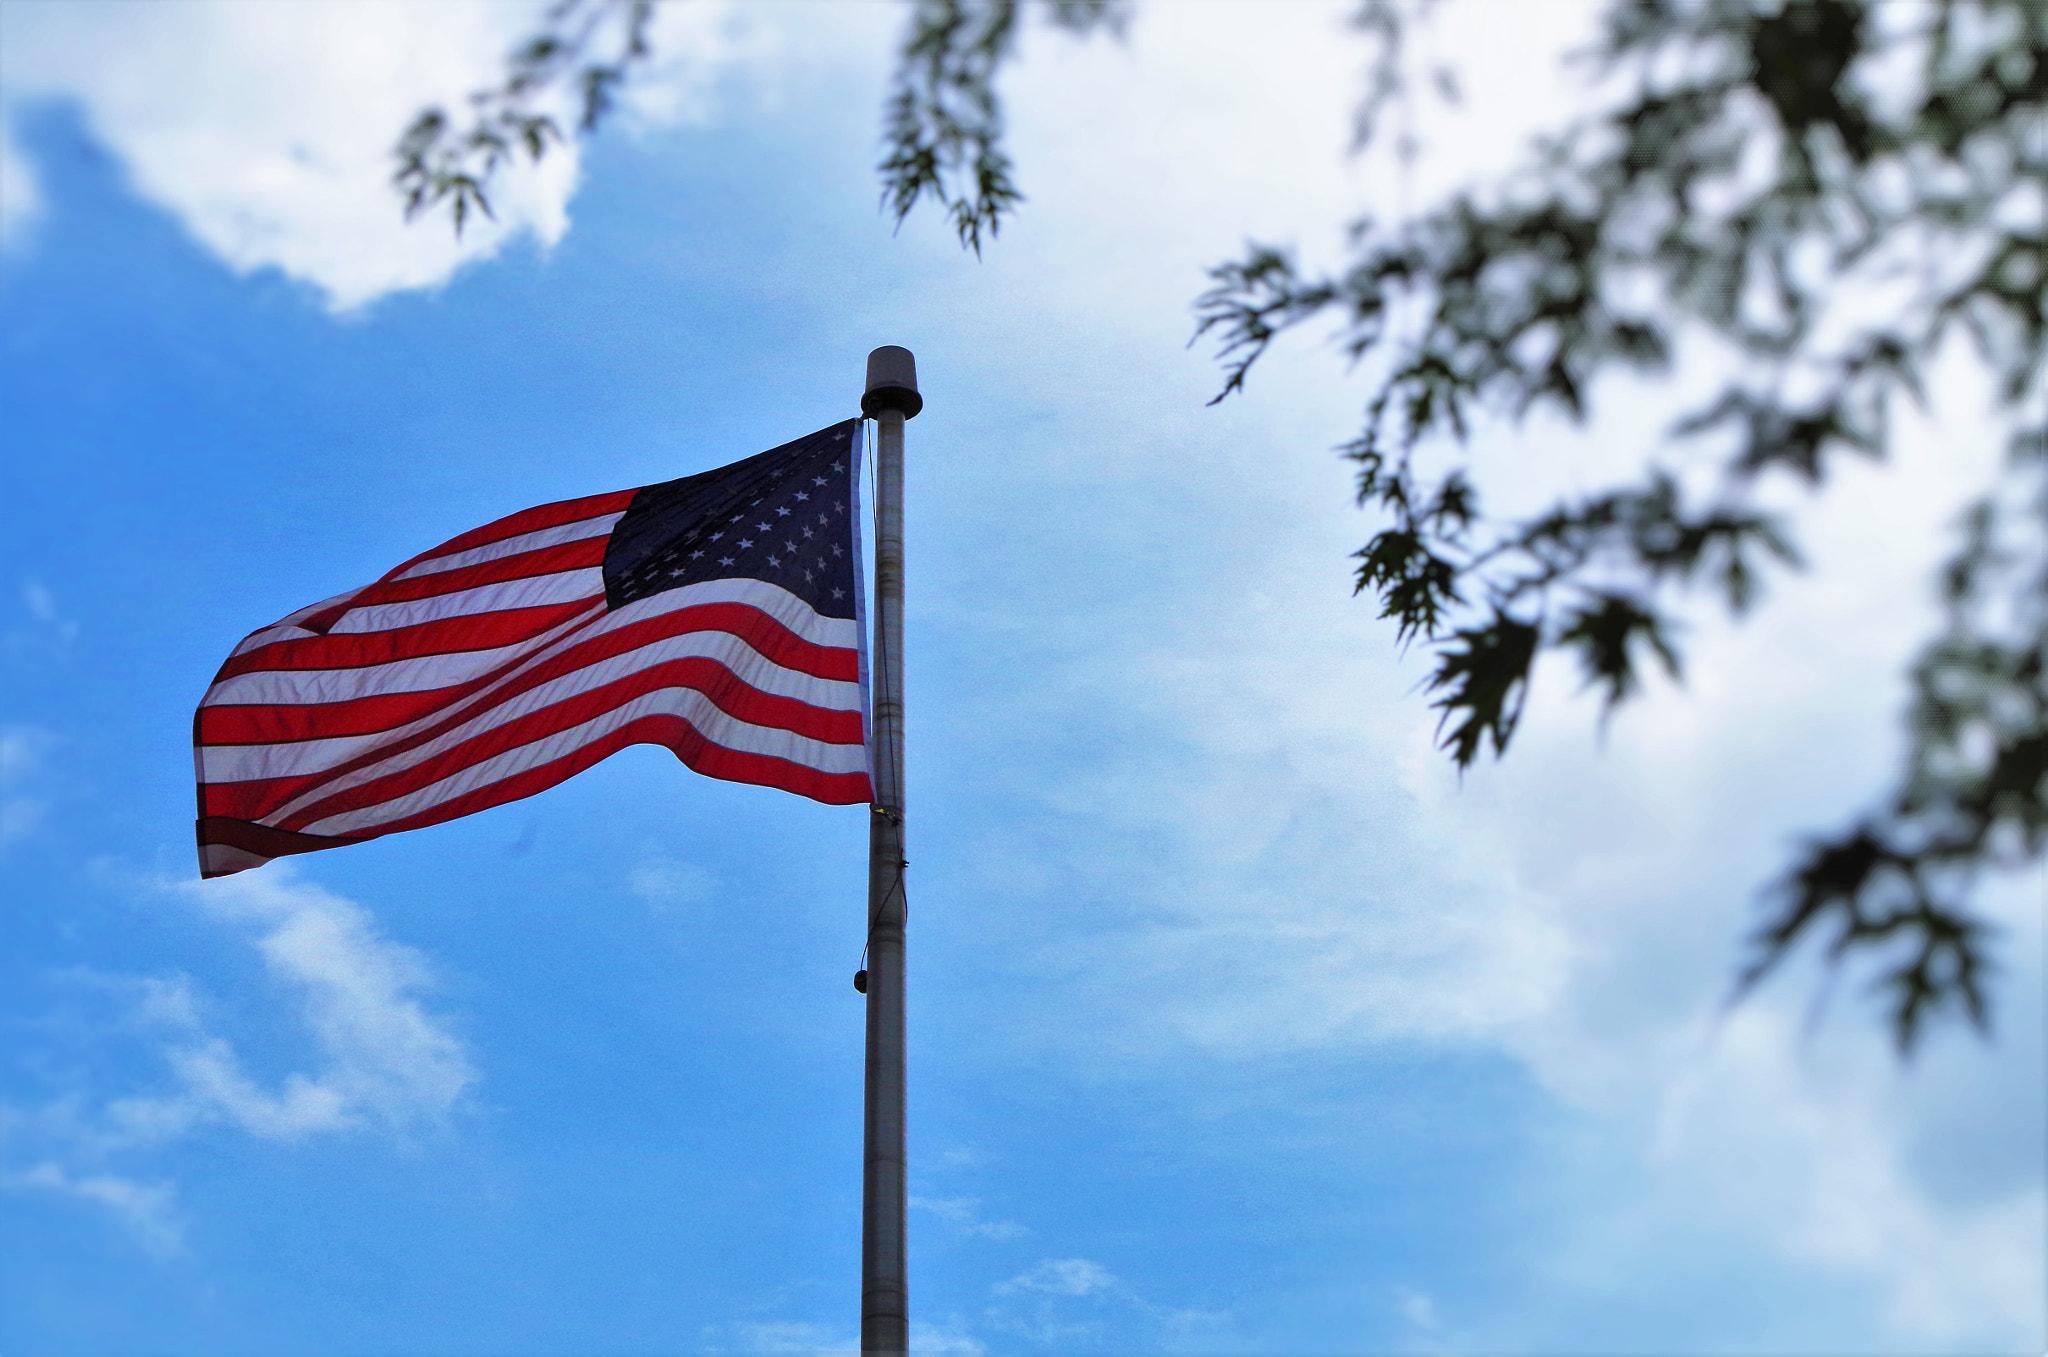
(719, 616)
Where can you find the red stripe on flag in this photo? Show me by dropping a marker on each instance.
(264, 841)
(759, 629)
(724, 689)
(254, 800)
(277, 723)
(443, 636)
(577, 555)
(285, 723)
(526, 520)
(676, 735)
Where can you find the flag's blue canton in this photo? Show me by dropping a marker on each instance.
(785, 516)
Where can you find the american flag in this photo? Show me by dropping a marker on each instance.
(718, 615)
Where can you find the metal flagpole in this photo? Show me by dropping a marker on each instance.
(891, 398)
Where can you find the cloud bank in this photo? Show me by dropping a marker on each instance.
(383, 1065)
(267, 130)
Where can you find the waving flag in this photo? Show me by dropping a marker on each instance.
(718, 616)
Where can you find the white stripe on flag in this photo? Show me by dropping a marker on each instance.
(600, 526)
(687, 703)
(423, 673)
(258, 762)
(534, 591)
(760, 594)
(287, 627)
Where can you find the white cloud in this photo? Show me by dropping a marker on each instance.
(21, 761)
(386, 1062)
(804, 1336)
(664, 883)
(1417, 1308)
(42, 604)
(50, 630)
(785, 1336)
(1065, 1303)
(1061, 1277)
(384, 1065)
(21, 200)
(1754, 1133)
(267, 129)
(147, 1210)
(943, 1338)
(964, 1213)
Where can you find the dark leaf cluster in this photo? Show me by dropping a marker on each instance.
(1760, 178)
(587, 45)
(1974, 795)
(943, 127)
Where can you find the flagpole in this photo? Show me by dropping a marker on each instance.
(890, 399)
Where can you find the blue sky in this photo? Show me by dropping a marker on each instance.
(1238, 1023)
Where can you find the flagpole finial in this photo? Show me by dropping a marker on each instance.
(892, 382)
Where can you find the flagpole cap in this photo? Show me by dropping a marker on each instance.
(892, 382)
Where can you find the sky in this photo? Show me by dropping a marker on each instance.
(1238, 1021)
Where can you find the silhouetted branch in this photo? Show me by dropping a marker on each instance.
(586, 46)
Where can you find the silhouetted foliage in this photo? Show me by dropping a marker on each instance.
(944, 124)
(438, 161)
(1758, 165)
(1759, 180)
